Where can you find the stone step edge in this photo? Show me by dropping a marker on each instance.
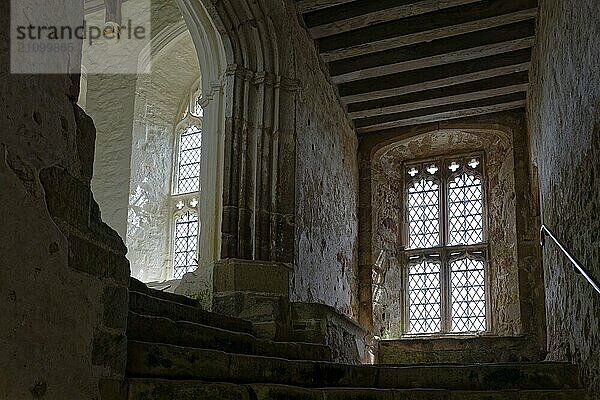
(252, 389)
(136, 285)
(399, 366)
(241, 325)
(223, 359)
(258, 348)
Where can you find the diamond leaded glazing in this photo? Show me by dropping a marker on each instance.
(467, 278)
(423, 214)
(465, 210)
(188, 173)
(447, 294)
(185, 244)
(424, 296)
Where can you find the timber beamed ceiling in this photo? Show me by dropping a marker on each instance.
(408, 62)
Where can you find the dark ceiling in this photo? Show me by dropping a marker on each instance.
(407, 62)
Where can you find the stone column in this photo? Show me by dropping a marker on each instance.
(365, 238)
(252, 280)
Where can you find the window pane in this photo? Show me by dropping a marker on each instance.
(465, 210)
(188, 172)
(186, 239)
(423, 214)
(467, 278)
(424, 297)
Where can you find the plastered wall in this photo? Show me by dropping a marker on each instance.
(109, 100)
(564, 123)
(113, 121)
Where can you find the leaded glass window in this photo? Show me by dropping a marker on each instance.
(185, 244)
(188, 160)
(425, 296)
(467, 277)
(465, 209)
(445, 290)
(424, 208)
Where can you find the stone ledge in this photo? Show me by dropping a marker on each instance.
(320, 323)
(436, 350)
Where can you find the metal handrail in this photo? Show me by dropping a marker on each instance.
(579, 268)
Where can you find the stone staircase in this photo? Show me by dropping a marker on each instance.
(177, 351)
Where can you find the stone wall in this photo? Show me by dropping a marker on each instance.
(564, 121)
(326, 187)
(63, 274)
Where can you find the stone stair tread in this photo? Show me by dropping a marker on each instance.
(148, 389)
(269, 392)
(157, 329)
(169, 361)
(293, 350)
(160, 389)
(140, 287)
(146, 304)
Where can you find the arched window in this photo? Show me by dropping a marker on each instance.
(186, 225)
(445, 290)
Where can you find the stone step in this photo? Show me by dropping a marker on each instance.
(158, 389)
(140, 287)
(183, 333)
(145, 304)
(174, 362)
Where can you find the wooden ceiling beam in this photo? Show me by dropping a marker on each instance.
(443, 51)
(425, 28)
(435, 77)
(435, 114)
(378, 16)
(477, 90)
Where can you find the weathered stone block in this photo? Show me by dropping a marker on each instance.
(318, 323)
(109, 349)
(115, 300)
(268, 313)
(68, 199)
(458, 350)
(148, 389)
(255, 276)
(113, 389)
(85, 140)
(272, 392)
(92, 259)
